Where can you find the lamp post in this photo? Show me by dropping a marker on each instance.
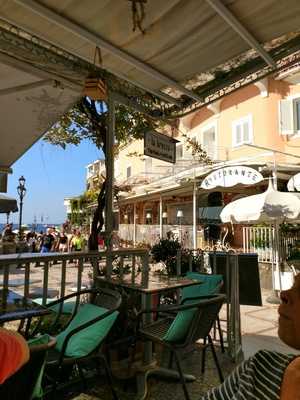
(164, 221)
(148, 218)
(21, 192)
(180, 216)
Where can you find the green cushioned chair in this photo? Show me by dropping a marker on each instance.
(210, 284)
(86, 339)
(189, 323)
(67, 307)
(38, 344)
(180, 326)
(83, 336)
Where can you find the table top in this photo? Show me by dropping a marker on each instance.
(156, 283)
(14, 307)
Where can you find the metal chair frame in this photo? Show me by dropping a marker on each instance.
(107, 298)
(216, 326)
(203, 320)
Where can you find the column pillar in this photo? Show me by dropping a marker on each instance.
(194, 216)
(160, 218)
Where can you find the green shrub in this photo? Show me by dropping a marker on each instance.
(166, 251)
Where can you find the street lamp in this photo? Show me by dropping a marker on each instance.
(164, 221)
(179, 217)
(21, 192)
(148, 218)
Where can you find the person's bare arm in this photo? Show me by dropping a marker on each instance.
(290, 387)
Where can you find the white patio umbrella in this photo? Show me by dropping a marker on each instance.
(272, 207)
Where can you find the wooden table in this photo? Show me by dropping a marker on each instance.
(15, 307)
(153, 284)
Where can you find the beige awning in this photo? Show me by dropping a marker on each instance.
(184, 40)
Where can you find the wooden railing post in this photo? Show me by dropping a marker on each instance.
(45, 283)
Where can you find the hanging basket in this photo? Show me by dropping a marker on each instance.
(95, 89)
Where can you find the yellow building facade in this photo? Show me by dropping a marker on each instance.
(166, 196)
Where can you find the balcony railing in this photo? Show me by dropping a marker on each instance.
(150, 234)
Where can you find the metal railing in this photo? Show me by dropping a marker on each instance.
(260, 240)
(150, 234)
(26, 265)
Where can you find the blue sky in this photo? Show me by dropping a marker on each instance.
(51, 174)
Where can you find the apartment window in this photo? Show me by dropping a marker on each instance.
(209, 140)
(179, 151)
(128, 172)
(289, 116)
(242, 131)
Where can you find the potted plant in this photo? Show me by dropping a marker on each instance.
(166, 250)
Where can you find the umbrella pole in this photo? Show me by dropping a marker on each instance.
(278, 254)
(273, 298)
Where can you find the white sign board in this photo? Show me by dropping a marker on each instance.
(160, 146)
(294, 183)
(231, 176)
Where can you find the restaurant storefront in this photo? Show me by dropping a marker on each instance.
(190, 209)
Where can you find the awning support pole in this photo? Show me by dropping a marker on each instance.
(195, 216)
(235, 24)
(134, 224)
(160, 218)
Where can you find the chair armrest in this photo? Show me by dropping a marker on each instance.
(59, 313)
(69, 296)
(201, 298)
(46, 346)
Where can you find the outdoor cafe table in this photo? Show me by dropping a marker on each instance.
(14, 307)
(155, 284)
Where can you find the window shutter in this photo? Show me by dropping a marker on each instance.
(246, 137)
(297, 115)
(286, 120)
(238, 134)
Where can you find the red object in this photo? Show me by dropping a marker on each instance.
(14, 353)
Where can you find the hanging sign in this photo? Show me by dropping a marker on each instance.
(231, 176)
(293, 184)
(160, 146)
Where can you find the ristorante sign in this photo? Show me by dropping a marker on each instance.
(231, 176)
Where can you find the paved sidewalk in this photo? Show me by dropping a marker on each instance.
(259, 328)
